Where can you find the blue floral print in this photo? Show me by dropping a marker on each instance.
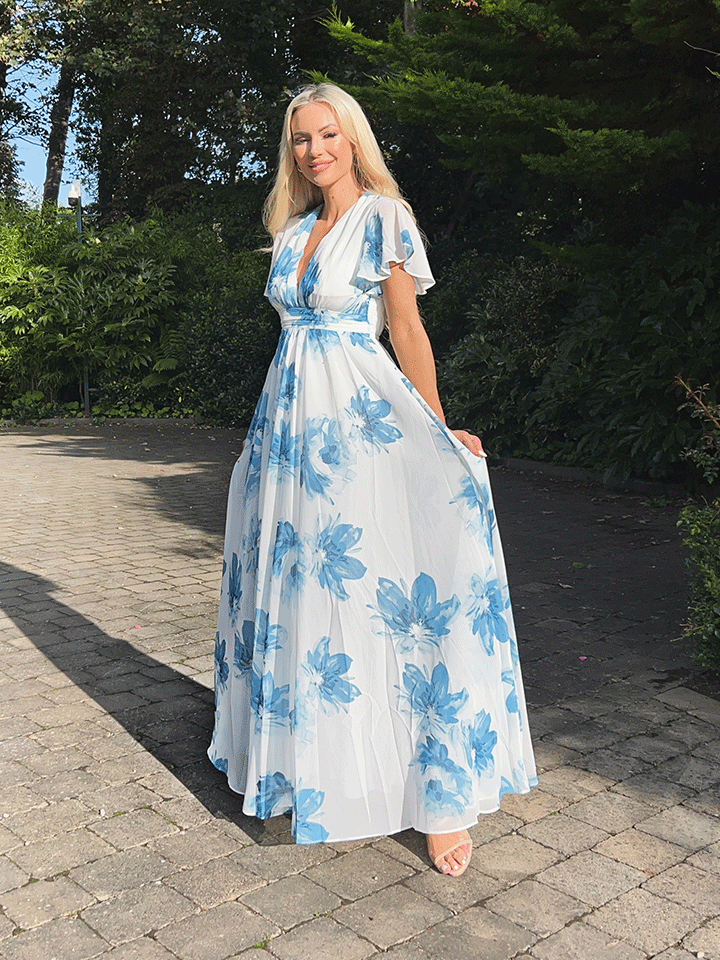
(475, 498)
(371, 255)
(306, 803)
(255, 437)
(325, 676)
(251, 545)
(417, 620)
(310, 279)
(320, 341)
(284, 456)
(363, 340)
(480, 742)
(270, 704)
(449, 787)
(428, 700)
(486, 611)
(268, 636)
(330, 551)
(289, 387)
(365, 635)
(234, 585)
(273, 790)
(259, 637)
(511, 701)
(285, 265)
(244, 648)
(288, 558)
(326, 459)
(221, 764)
(322, 685)
(407, 244)
(222, 669)
(368, 421)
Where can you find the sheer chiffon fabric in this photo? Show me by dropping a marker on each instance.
(366, 668)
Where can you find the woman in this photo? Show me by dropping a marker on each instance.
(366, 670)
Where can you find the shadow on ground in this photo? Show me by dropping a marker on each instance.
(175, 723)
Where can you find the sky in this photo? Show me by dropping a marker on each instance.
(33, 158)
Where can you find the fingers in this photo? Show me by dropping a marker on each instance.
(470, 441)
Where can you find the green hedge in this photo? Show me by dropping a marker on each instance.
(580, 367)
(700, 528)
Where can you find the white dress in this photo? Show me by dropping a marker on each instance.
(366, 669)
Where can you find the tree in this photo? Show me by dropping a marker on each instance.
(601, 107)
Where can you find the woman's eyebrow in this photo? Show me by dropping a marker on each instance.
(304, 132)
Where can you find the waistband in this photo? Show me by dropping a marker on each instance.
(326, 320)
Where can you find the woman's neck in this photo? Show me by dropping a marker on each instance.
(338, 199)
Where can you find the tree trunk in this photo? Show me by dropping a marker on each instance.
(59, 118)
(411, 8)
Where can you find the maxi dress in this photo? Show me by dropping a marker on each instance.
(366, 668)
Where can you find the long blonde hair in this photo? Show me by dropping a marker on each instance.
(292, 193)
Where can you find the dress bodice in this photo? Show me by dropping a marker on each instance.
(341, 287)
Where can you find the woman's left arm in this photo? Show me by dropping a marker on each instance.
(412, 346)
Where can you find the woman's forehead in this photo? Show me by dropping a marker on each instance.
(313, 115)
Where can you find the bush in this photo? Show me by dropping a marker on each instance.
(230, 338)
(701, 534)
(594, 385)
(489, 377)
(101, 305)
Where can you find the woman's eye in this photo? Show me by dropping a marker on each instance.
(330, 135)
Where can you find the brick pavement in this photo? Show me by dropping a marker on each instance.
(119, 840)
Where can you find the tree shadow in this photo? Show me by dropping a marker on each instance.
(174, 724)
(185, 468)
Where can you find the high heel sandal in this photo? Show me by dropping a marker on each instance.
(460, 868)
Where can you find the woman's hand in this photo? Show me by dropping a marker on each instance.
(470, 441)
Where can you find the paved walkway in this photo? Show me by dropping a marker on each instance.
(119, 840)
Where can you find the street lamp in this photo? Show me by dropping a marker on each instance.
(75, 203)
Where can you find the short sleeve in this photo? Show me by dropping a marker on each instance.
(391, 236)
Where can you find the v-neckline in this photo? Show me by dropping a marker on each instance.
(316, 214)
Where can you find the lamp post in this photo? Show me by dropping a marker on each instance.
(75, 203)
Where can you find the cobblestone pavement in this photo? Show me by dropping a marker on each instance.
(119, 840)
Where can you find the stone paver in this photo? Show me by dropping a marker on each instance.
(391, 916)
(322, 939)
(477, 934)
(36, 903)
(118, 840)
(646, 921)
(580, 942)
(539, 908)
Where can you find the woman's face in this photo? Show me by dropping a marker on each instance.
(323, 153)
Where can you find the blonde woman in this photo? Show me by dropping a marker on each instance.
(366, 669)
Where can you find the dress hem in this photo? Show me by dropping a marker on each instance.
(377, 836)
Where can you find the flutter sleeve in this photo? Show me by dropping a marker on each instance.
(391, 236)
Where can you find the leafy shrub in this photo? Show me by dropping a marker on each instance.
(488, 379)
(230, 338)
(100, 306)
(596, 388)
(701, 534)
(705, 454)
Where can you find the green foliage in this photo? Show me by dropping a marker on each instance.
(593, 384)
(700, 528)
(490, 376)
(608, 101)
(98, 307)
(705, 454)
(230, 339)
